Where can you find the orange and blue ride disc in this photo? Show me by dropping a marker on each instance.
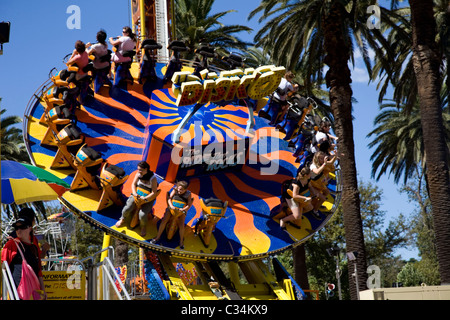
(129, 125)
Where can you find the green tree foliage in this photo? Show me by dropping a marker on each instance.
(12, 145)
(87, 240)
(422, 230)
(381, 242)
(399, 140)
(196, 24)
(410, 276)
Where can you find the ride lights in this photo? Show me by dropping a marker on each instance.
(330, 290)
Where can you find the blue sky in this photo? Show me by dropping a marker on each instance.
(40, 38)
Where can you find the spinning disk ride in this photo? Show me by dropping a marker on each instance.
(121, 125)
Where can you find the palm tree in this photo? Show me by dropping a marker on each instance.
(427, 61)
(421, 51)
(12, 145)
(399, 141)
(313, 34)
(400, 74)
(195, 25)
(255, 57)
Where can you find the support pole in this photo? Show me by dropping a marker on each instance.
(106, 244)
(142, 22)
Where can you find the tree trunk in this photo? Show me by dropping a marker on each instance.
(300, 271)
(121, 253)
(426, 61)
(338, 79)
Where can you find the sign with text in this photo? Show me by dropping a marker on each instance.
(65, 285)
(228, 85)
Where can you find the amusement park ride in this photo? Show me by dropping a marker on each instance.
(207, 126)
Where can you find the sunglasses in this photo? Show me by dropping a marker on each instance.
(22, 227)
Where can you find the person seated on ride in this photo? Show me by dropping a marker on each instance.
(125, 46)
(146, 179)
(183, 195)
(279, 97)
(320, 167)
(101, 63)
(298, 202)
(79, 58)
(323, 138)
(124, 43)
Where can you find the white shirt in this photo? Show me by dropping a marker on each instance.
(100, 50)
(313, 174)
(285, 86)
(126, 44)
(149, 184)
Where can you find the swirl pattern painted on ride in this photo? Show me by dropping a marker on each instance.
(126, 126)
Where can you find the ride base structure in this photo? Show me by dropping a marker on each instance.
(221, 147)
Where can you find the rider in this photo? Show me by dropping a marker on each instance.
(179, 193)
(298, 202)
(321, 166)
(280, 96)
(79, 58)
(146, 179)
(323, 139)
(125, 45)
(102, 65)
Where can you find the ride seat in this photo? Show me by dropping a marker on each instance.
(213, 207)
(88, 67)
(87, 162)
(106, 57)
(70, 135)
(112, 178)
(56, 94)
(88, 157)
(68, 141)
(213, 210)
(59, 115)
(150, 44)
(112, 175)
(129, 54)
(206, 51)
(213, 202)
(73, 68)
(178, 45)
(60, 78)
(234, 60)
(55, 119)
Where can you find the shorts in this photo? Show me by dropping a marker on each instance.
(292, 203)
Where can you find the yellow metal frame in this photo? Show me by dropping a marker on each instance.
(142, 19)
(262, 284)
